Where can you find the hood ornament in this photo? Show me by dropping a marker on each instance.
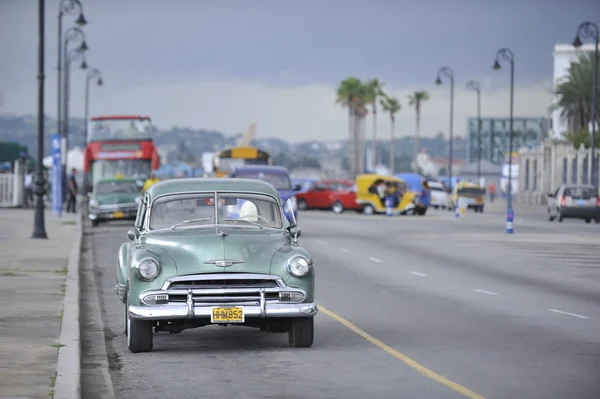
(223, 262)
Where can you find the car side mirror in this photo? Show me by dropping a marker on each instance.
(133, 234)
(296, 233)
(297, 187)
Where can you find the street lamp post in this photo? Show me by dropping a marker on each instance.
(68, 7)
(447, 71)
(73, 34)
(589, 30)
(92, 74)
(39, 226)
(474, 86)
(505, 54)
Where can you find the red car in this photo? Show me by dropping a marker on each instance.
(337, 195)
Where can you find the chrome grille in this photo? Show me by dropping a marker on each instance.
(224, 283)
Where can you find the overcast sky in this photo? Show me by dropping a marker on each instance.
(220, 64)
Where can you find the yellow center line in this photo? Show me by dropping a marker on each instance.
(407, 360)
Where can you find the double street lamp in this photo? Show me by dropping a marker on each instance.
(92, 74)
(447, 72)
(65, 7)
(76, 35)
(590, 30)
(474, 86)
(506, 55)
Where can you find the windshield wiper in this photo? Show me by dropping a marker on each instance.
(242, 220)
(189, 221)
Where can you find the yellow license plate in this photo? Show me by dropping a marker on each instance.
(118, 215)
(227, 315)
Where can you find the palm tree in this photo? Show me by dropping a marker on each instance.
(575, 94)
(374, 92)
(415, 100)
(392, 106)
(352, 94)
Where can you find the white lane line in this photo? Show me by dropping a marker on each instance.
(320, 242)
(418, 274)
(376, 260)
(569, 314)
(484, 292)
(345, 250)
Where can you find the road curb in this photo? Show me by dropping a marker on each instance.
(68, 365)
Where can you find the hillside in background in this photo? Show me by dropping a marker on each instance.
(187, 145)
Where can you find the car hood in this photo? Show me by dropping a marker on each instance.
(116, 198)
(190, 249)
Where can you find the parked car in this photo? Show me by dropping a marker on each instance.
(278, 176)
(189, 263)
(305, 184)
(338, 195)
(418, 185)
(114, 199)
(578, 201)
(439, 194)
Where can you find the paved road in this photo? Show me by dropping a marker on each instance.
(411, 307)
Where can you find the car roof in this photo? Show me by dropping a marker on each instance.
(261, 168)
(192, 184)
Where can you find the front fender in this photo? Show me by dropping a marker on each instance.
(136, 285)
(279, 268)
(122, 262)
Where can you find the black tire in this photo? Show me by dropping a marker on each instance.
(302, 205)
(422, 211)
(560, 216)
(125, 320)
(139, 337)
(368, 209)
(337, 207)
(597, 220)
(481, 210)
(588, 220)
(95, 223)
(301, 332)
(435, 206)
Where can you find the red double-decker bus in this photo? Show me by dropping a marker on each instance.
(119, 145)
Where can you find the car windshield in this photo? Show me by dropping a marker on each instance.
(117, 187)
(279, 181)
(119, 129)
(470, 191)
(184, 211)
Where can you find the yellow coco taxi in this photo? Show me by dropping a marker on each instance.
(371, 191)
(472, 193)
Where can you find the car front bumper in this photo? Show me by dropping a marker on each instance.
(580, 212)
(193, 311)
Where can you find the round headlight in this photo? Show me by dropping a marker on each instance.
(148, 269)
(93, 202)
(299, 266)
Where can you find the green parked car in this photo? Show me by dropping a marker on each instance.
(215, 252)
(114, 199)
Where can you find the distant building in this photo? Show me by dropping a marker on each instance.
(564, 55)
(527, 133)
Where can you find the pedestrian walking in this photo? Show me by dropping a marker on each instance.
(72, 193)
(28, 185)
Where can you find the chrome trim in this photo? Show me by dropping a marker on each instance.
(180, 311)
(136, 267)
(222, 276)
(263, 303)
(289, 268)
(190, 304)
(223, 262)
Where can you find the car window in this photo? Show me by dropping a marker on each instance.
(198, 211)
(436, 188)
(470, 191)
(580, 192)
(319, 187)
(141, 214)
(335, 187)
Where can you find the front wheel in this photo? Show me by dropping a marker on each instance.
(302, 205)
(337, 207)
(301, 332)
(139, 335)
(95, 223)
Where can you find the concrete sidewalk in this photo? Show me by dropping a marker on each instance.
(33, 282)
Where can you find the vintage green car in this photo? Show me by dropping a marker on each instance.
(208, 251)
(114, 199)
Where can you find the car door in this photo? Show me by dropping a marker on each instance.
(318, 196)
